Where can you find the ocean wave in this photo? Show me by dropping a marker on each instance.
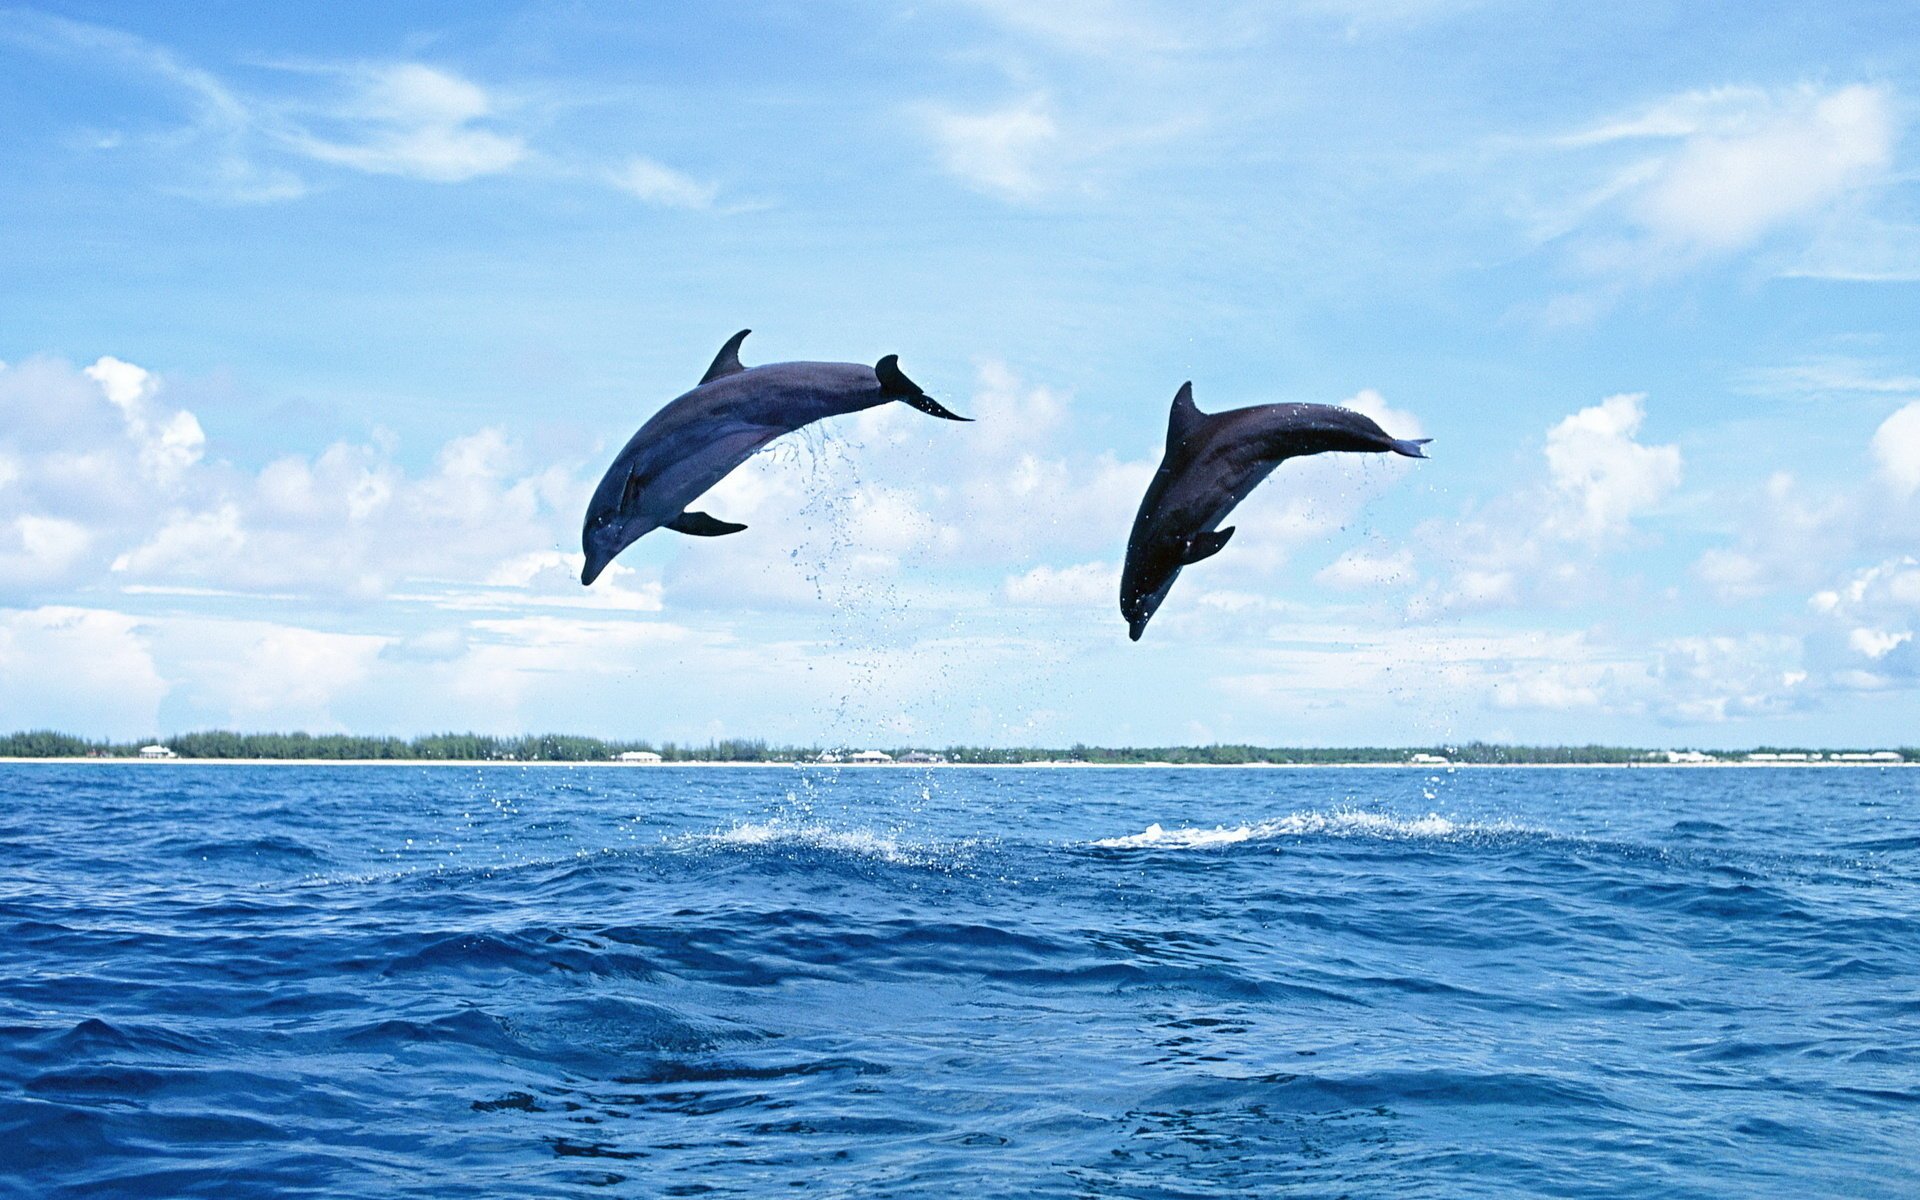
(1350, 823)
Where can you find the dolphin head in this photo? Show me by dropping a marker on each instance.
(603, 536)
(599, 551)
(894, 385)
(1143, 585)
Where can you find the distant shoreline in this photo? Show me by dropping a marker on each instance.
(897, 766)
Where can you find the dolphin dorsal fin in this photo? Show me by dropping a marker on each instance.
(727, 362)
(1185, 417)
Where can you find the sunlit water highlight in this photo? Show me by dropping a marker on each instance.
(411, 981)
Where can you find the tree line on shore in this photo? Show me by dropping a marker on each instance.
(557, 747)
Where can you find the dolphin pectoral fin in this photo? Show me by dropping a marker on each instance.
(699, 524)
(1205, 545)
(631, 492)
(727, 362)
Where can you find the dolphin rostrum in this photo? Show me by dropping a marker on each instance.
(697, 439)
(1213, 461)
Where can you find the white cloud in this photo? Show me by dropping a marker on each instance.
(123, 383)
(1704, 174)
(258, 674)
(77, 669)
(37, 550)
(1007, 152)
(1604, 477)
(1789, 534)
(406, 119)
(187, 544)
(657, 183)
(169, 444)
(1723, 191)
(1896, 448)
(1731, 574)
(1864, 636)
(1545, 540)
(1087, 585)
(416, 121)
(1710, 679)
(111, 486)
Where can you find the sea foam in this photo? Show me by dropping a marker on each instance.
(1339, 823)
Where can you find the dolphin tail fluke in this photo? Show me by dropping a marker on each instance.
(699, 524)
(895, 385)
(1410, 447)
(727, 362)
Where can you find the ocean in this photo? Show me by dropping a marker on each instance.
(510, 981)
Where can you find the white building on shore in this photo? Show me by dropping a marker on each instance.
(157, 751)
(645, 757)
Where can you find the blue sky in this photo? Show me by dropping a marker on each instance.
(319, 329)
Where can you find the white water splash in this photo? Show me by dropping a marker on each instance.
(859, 843)
(1340, 823)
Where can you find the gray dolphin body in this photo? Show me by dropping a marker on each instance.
(1213, 461)
(699, 438)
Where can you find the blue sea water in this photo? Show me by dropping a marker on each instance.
(514, 981)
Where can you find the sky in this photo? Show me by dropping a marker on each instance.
(320, 326)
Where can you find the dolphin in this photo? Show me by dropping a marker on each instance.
(700, 437)
(1213, 461)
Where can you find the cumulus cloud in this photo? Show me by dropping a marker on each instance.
(1790, 534)
(36, 550)
(1603, 476)
(77, 669)
(1865, 637)
(1896, 449)
(1541, 540)
(1716, 678)
(109, 484)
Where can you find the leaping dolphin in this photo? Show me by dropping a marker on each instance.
(1213, 461)
(697, 439)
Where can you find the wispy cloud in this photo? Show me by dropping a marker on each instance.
(405, 119)
(1700, 176)
(408, 119)
(215, 152)
(1011, 152)
(657, 183)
